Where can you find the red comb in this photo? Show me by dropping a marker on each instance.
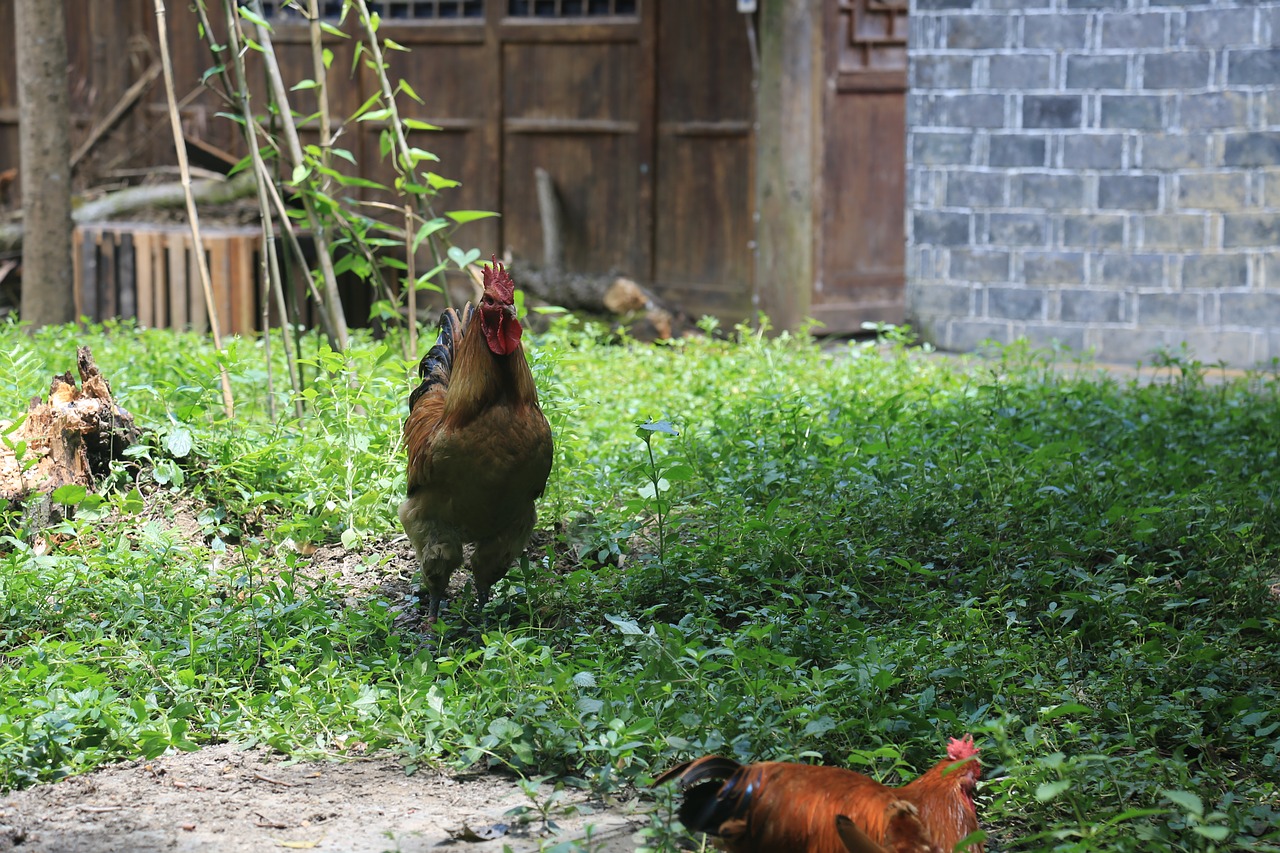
(498, 283)
(958, 749)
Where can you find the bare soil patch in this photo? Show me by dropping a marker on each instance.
(230, 800)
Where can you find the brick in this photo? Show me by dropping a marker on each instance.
(1173, 151)
(1169, 309)
(943, 4)
(1129, 192)
(1053, 267)
(1088, 71)
(1215, 109)
(979, 265)
(1020, 71)
(1054, 336)
(1137, 112)
(1185, 69)
(1253, 67)
(1089, 306)
(1250, 309)
(1252, 149)
(1270, 194)
(1129, 31)
(941, 72)
(1019, 4)
(965, 335)
(1250, 229)
(1219, 27)
(1093, 230)
(1049, 192)
(1211, 346)
(1212, 190)
(1093, 151)
(1097, 4)
(1271, 273)
(963, 111)
(1015, 303)
(1273, 104)
(946, 299)
(1214, 271)
(1055, 30)
(977, 32)
(1043, 111)
(1126, 346)
(975, 189)
(1016, 150)
(1133, 270)
(942, 149)
(1018, 229)
(940, 228)
(1173, 231)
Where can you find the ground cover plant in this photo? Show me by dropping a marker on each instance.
(751, 546)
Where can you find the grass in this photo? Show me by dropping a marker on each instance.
(862, 553)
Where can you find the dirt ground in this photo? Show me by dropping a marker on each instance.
(230, 800)
(227, 800)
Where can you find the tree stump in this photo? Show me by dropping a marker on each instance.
(71, 439)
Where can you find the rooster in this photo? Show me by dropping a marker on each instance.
(904, 832)
(776, 807)
(479, 446)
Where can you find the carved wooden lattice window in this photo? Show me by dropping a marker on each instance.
(412, 10)
(873, 35)
(571, 8)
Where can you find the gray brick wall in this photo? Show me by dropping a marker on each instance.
(1105, 174)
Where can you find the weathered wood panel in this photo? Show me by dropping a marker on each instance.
(705, 201)
(862, 238)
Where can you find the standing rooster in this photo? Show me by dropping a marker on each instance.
(775, 807)
(479, 446)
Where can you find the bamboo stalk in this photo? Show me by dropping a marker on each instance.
(333, 302)
(175, 120)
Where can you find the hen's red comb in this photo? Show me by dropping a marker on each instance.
(958, 749)
(498, 283)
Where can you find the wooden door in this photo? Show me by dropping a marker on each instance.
(705, 205)
(862, 239)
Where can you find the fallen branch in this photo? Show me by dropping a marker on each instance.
(122, 106)
(135, 198)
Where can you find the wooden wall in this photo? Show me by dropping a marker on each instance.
(645, 119)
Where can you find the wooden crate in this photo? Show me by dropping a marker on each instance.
(149, 271)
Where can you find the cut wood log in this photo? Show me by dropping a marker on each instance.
(70, 439)
(619, 300)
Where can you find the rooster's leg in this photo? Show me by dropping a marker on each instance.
(492, 558)
(439, 552)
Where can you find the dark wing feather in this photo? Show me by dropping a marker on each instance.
(717, 793)
(436, 365)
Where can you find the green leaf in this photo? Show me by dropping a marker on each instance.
(1185, 800)
(300, 173)
(69, 495)
(464, 216)
(1216, 832)
(178, 442)
(302, 85)
(1065, 709)
(251, 16)
(417, 124)
(462, 258)
(1047, 791)
(625, 626)
(656, 426)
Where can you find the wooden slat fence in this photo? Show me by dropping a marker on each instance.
(149, 271)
